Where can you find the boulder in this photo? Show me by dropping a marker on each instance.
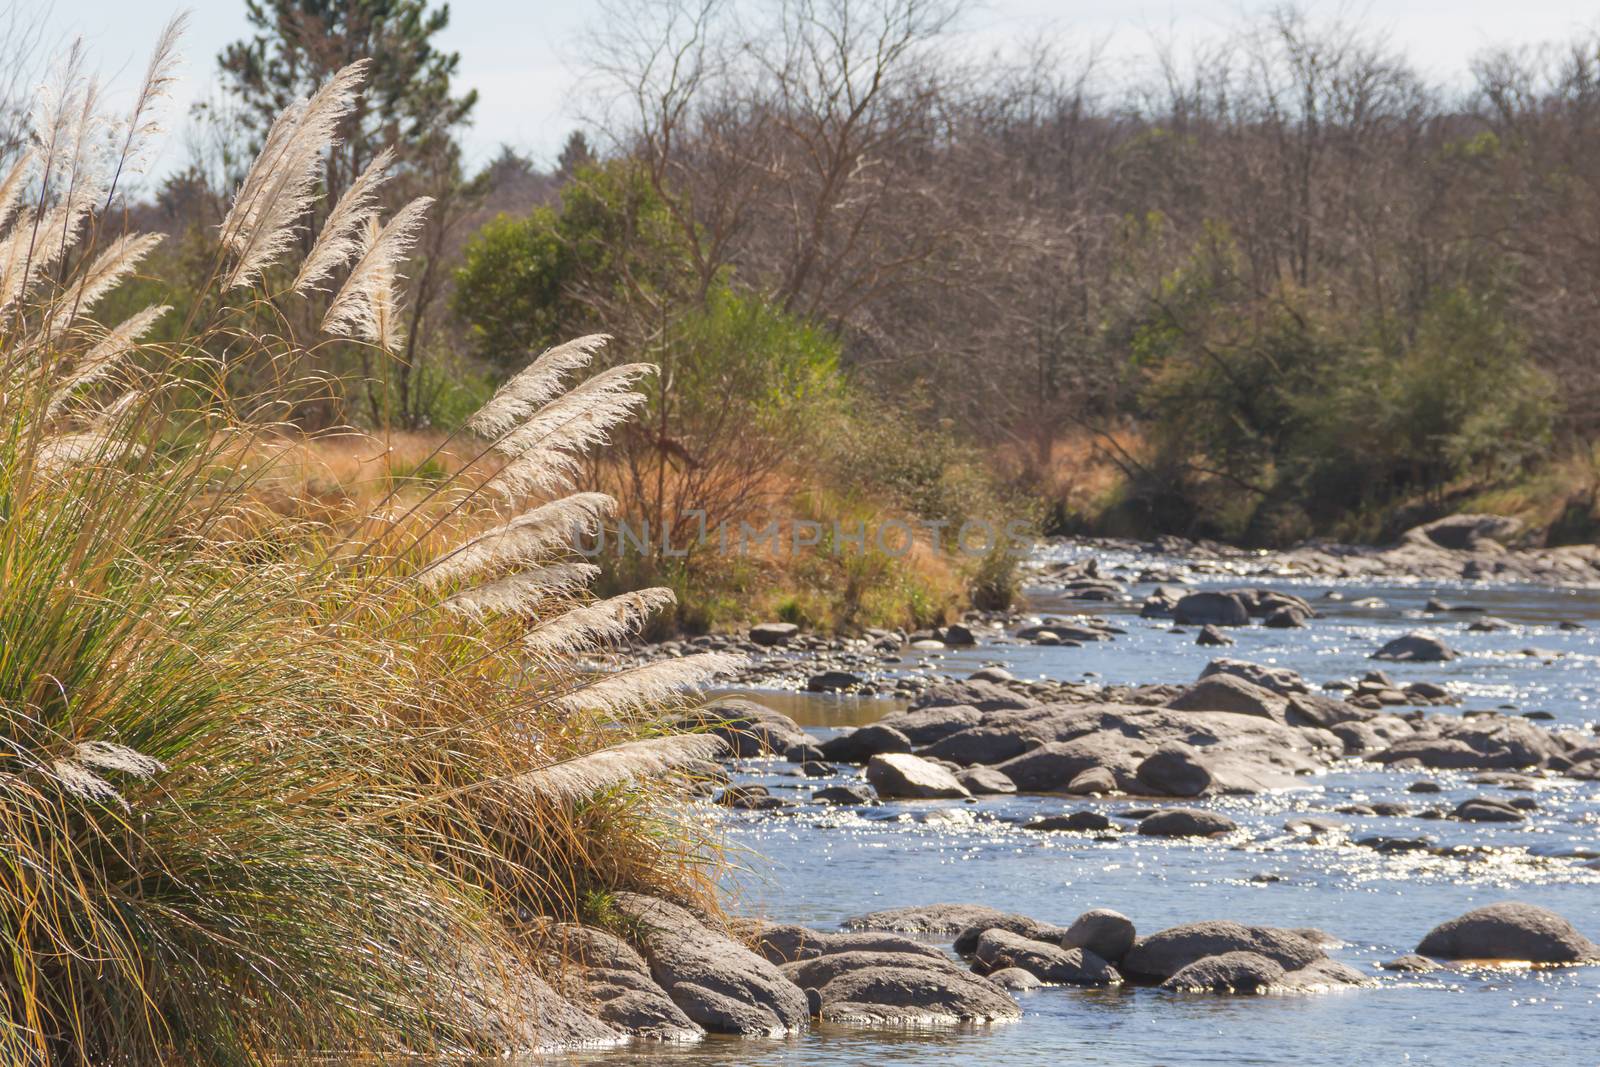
(1211, 636)
(957, 635)
(1091, 782)
(930, 919)
(1280, 680)
(717, 982)
(1106, 933)
(1227, 972)
(1213, 609)
(1081, 821)
(1015, 979)
(984, 696)
(771, 634)
(750, 729)
(618, 983)
(900, 775)
(1285, 618)
(877, 988)
(927, 725)
(844, 794)
(1463, 533)
(1174, 770)
(787, 942)
(864, 742)
(1230, 693)
(1486, 809)
(832, 681)
(1410, 963)
(983, 744)
(985, 781)
(1186, 822)
(1509, 931)
(1024, 926)
(1162, 955)
(1309, 709)
(1416, 648)
(1000, 949)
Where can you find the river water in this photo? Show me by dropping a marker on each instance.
(816, 865)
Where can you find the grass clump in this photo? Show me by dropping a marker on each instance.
(270, 777)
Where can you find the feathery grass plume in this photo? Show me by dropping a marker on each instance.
(105, 356)
(280, 185)
(522, 541)
(537, 384)
(628, 691)
(341, 235)
(12, 185)
(522, 592)
(365, 306)
(591, 626)
(66, 450)
(546, 447)
(632, 761)
(160, 74)
(104, 274)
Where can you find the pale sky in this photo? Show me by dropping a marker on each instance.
(523, 55)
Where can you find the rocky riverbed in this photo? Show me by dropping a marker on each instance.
(1166, 808)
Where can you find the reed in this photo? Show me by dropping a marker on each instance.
(270, 784)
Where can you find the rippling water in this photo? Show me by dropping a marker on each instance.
(816, 865)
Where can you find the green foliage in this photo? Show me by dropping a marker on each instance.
(527, 283)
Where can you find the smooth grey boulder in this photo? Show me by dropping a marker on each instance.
(844, 794)
(751, 729)
(1092, 781)
(1416, 648)
(1015, 979)
(987, 745)
(864, 742)
(985, 781)
(902, 988)
(717, 982)
(1108, 934)
(900, 775)
(1227, 972)
(1230, 693)
(787, 942)
(1320, 975)
(1174, 770)
(1000, 949)
(1186, 822)
(1280, 680)
(1509, 931)
(1161, 955)
(1285, 618)
(984, 696)
(1487, 809)
(1024, 926)
(771, 634)
(927, 725)
(1214, 609)
(1211, 636)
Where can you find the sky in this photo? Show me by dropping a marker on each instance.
(524, 56)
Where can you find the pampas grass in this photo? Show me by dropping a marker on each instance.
(275, 786)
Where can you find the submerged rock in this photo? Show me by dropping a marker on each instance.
(1186, 822)
(930, 919)
(1509, 931)
(1416, 648)
(1083, 821)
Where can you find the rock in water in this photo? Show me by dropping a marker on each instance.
(1000, 949)
(1228, 972)
(1186, 822)
(932, 919)
(1174, 770)
(719, 984)
(750, 729)
(1230, 693)
(1280, 680)
(1162, 955)
(1416, 648)
(902, 988)
(1509, 931)
(861, 744)
(902, 775)
(1215, 609)
(985, 781)
(1210, 635)
(1108, 934)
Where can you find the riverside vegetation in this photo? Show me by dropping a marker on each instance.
(271, 784)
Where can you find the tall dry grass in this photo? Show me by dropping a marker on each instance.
(270, 777)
